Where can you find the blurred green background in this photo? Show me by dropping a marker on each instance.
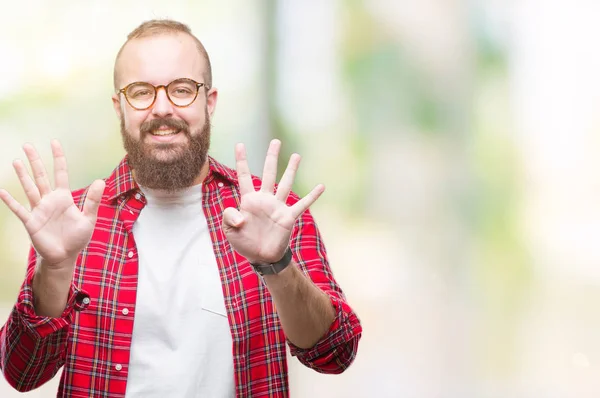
(457, 141)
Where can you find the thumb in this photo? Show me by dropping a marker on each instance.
(232, 218)
(92, 200)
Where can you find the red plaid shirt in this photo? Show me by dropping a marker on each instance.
(92, 339)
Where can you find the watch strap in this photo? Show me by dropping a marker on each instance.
(274, 268)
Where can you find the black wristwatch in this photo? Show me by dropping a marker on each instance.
(274, 268)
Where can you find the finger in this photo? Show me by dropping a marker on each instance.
(39, 171)
(270, 168)
(243, 171)
(92, 200)
(15, 206)
(307, 201)
(31, 190)
(61, 175)
(232, 218)
(287, 180)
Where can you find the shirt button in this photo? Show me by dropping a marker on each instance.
(138, 196)
(220, 185)
(86, 300)
(130, 254)
(118, 367)
(125, 311)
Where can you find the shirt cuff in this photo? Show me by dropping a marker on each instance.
(42, 326)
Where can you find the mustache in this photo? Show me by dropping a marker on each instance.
(154, 124)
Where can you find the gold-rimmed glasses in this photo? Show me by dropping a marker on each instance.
(142, 95)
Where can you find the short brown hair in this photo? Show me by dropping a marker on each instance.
(162, 26)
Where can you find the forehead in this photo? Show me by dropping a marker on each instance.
(160, 59)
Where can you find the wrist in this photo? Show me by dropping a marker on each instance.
(51, 285)
(62, 268)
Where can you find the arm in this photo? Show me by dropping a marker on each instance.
(305, 311)
(321, 329)
(337, 346)
(33, 342)
(33, 346)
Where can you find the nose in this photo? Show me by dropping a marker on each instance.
(162, 105)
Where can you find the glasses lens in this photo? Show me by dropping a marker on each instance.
(140, 95)
(182, 92)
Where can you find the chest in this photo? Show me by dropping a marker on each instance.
(185, 266)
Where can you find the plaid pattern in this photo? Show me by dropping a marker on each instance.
(93, 337)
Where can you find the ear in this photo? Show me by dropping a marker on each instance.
(211, 101)
(116, 99)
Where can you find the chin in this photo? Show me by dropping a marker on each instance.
(165, 156)
(165, 151)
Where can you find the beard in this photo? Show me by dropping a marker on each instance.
(167, 166)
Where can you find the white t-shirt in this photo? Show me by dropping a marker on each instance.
(181, 345)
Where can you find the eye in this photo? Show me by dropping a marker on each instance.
(181, 90)
(141, 93)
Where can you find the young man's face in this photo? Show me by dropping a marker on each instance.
(167, 144)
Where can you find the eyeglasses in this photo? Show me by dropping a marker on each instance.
(181, 93)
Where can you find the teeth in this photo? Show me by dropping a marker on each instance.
(164, 132)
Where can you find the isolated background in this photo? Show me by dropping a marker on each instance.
(458, 140)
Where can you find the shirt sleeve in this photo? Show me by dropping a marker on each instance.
(337, 349)
(33, 347)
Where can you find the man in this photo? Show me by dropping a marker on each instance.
(175, 276)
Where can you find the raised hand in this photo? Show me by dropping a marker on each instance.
(261, 229)
(57, 228)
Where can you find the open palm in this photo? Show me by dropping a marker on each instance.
(57, 228)
(261, 229)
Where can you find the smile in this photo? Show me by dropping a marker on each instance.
(164, 132)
